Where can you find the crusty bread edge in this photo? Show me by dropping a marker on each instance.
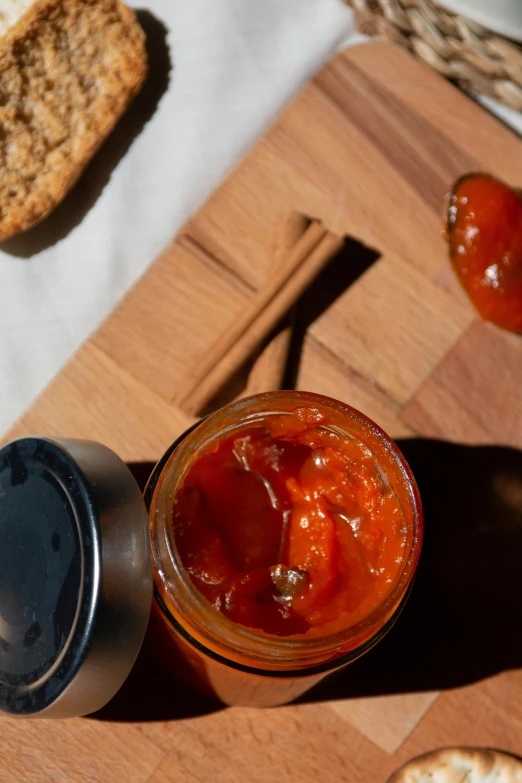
(482, 759)
(39, 209)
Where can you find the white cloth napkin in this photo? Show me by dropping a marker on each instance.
(233, 66)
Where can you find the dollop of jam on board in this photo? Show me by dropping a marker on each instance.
(484, 233)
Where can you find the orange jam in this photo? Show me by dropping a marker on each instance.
(289, 527)
(484, 230)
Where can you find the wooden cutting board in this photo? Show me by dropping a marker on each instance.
(370, 146)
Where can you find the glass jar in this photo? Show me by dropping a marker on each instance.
(221, 658)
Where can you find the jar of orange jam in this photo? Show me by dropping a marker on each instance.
(277, 543)
(285, 532)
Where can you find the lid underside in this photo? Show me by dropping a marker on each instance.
(75, 576)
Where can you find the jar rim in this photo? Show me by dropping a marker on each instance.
(257, 644)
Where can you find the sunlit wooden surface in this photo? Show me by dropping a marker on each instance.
(370, 147)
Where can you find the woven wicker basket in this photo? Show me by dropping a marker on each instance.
(470, 55)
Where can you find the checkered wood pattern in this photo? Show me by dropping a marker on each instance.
(370, 146)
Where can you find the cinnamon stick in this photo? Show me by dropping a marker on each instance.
(306, 260)
(269, 371)
(270, 367)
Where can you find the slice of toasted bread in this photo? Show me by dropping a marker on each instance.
(68, 70)
(461, 765)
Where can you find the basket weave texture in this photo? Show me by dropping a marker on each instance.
(470, 55)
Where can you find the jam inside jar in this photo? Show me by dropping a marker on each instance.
(285, 529)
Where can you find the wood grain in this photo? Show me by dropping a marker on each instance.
(393, 306)
(386, 720)
(369, 147)
(480, 385)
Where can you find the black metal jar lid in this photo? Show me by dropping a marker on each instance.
(75, 576)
